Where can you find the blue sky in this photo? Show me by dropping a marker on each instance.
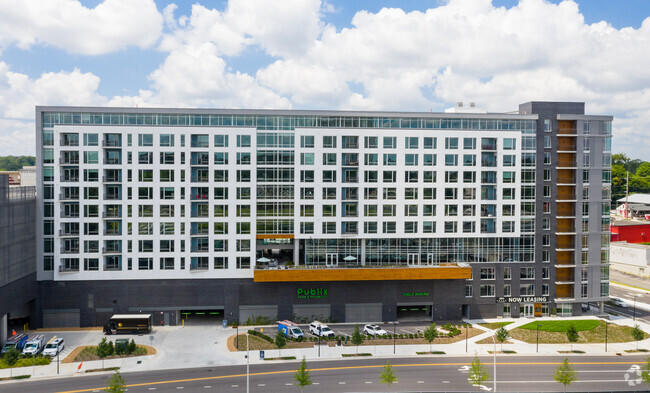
(334, 54)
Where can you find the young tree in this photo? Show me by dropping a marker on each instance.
(11, 358)
(430, 334)
(104, 349)
(502, 335)
(388, 375)
(132, 347)
(477, 373)
(565, 374)
(572, 335)
(637, 334)
(115, 384)
(645, 372)
(357, 337)
(280, 342)
(302, 376)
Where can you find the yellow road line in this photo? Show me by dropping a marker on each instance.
(343, 368)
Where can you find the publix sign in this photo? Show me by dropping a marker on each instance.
(311, 293)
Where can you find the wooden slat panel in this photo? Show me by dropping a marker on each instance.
(363, 274)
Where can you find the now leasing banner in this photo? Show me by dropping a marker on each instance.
(523, 299)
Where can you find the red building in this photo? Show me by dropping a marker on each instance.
(630, 231)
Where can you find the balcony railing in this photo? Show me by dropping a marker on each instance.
(70, 250)
(106, 143)
(68, 197)
(69, 161)
(66, 179)
(68, 233)
(111, 250)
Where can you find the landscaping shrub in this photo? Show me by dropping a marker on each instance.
(260, 335)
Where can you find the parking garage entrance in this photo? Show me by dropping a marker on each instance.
(414, 312)
(204, 316)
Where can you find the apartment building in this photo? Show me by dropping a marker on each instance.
(351, 216)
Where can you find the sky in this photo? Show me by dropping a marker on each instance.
(407, 55)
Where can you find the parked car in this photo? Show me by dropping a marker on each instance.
(320, 329)
(618, 302)
(374, 330)
(54, 346)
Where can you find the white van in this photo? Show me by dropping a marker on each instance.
(54, 346)
(34, 346)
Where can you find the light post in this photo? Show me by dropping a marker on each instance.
(237, 339)
(495, 364)
(634, 310)
(394, 324)
(319, 345)
(538, 326)
(466, 336)
(606, 336)
(248, 361)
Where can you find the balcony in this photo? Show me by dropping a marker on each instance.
(564, 276)
(449, 271)
(68, 197)
(68, 269)
(565, 226)
(566, 209)
(69, 161)
(564, 292)
(63, 232)
(69, 214)
(566, 144)
(113, 232)
(566, 193)
(111, 179)
(111, 143)
(200, 179)
(112, 197)
(111, 250)
(566, 176)
(70, 250)
(565, 243)
(112, 214)
(566, 160)
(69, 179)
(112, 161)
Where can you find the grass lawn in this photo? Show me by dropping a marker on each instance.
(562, 326)
(495, 325)
(615, 334)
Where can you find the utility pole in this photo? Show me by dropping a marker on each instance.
(248, 361)
(627, 190)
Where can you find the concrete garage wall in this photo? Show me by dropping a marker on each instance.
(242, 299)
(251, 312)
(363, 312)
(312, 311)
(61, 318)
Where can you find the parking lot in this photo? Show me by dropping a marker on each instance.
(347, 329)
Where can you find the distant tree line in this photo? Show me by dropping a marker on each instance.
(639, 176)
(14, 163)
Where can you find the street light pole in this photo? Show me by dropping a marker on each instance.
(606, 336)
(466, 336)
(248, 361)
(538, 326)
(237, 340)
(634, 310)
(495, 364)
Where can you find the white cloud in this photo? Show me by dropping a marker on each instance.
(17, 137)
(67, 24)
(19, 94)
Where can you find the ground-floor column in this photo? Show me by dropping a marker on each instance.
(296, 252)
(3, 330)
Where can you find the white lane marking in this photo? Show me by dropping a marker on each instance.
(420, 381)
(316, 383)
(261, 384)
(288, 384)
(445, 381)
(179, 387)
(152, 388)
(341, 383)
(234, 386)
(208, 387)
(368, 382)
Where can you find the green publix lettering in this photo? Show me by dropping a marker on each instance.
(311, 292)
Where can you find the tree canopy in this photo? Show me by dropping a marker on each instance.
(14, 163)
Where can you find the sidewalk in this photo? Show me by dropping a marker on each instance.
(196, 346)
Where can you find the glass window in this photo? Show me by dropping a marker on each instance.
(451, 143)
(390, 142)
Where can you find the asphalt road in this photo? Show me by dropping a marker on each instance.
(514, 373)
